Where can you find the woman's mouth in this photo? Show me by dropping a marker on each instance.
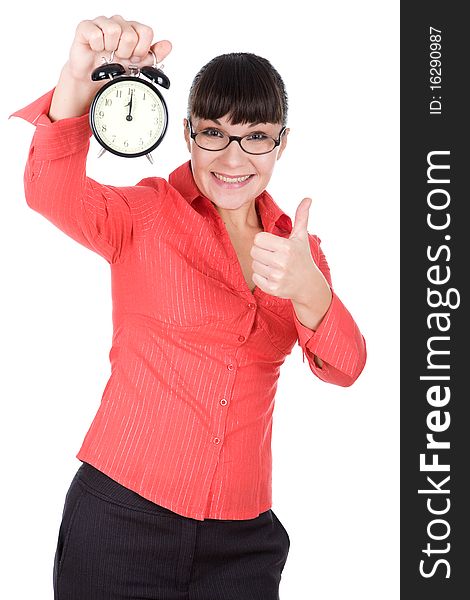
(231, 181)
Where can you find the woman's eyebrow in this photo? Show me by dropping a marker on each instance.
(251, 125)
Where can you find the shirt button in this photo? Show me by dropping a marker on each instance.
(216, 440)
(252, 306)
(230, 367)
(223, 402)
(241, 338)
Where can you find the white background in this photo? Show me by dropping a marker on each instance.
(335, 450)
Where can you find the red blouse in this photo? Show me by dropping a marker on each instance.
(185, 419)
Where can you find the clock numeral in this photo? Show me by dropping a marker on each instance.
(103, 127)
(144, 97)
(141, 141)
(131, 91)
(101, 113)
(118, 93)
(108, 102)
(126, 143)
(114, 137)
(154, 106)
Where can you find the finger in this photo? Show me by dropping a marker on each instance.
(161, 50)
(260, 281)
(265, 270)
(90, 33)
(269, 258)
(301, 218)
(128, 39)
(110, 34)
(145, 35)
(263, 239)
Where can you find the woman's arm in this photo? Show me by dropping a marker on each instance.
(336, 349)
(99, 217)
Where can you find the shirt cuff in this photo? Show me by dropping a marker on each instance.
(54, 139)
(337, 341)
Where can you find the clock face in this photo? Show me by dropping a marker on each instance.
(128, 116)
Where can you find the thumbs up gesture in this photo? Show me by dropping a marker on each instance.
(284, 267)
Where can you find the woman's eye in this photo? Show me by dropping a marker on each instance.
(257, 137)
(212, 133)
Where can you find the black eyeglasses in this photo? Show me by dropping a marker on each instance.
(213, 139)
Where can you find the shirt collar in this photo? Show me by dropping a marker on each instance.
(272, 216)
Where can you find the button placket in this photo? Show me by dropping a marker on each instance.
(231, 364)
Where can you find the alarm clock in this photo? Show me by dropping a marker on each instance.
(128, 115)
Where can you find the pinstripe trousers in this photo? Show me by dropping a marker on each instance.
(114, 544)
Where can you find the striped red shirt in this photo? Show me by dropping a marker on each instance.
(185, 419)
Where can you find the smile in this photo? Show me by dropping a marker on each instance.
(226, 179)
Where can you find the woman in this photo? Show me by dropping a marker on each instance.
(212, 286)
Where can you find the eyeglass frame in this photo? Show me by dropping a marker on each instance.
(236, 138)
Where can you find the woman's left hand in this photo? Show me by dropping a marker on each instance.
(284, 267)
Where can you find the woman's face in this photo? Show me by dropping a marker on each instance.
(232, 162)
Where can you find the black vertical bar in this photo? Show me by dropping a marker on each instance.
(435, 269)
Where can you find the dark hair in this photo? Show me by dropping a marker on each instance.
(242, 85)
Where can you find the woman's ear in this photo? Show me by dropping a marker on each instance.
(186, 134)
(283, 143)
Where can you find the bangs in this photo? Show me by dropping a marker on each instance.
(243, 86)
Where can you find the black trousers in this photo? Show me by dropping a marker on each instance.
(114, 544)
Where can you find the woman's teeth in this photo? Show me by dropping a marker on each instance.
(232, 179)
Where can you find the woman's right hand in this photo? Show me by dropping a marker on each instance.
(131, 42)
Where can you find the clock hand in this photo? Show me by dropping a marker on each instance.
(129, 117)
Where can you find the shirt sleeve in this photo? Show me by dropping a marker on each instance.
(103, 218)
(337, 341)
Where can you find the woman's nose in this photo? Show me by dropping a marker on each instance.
(234, 153)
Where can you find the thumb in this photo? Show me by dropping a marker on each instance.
(161, 49)
(299, 230)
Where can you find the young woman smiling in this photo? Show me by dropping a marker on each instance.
(213, 284)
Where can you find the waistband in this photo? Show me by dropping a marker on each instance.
(103, 485)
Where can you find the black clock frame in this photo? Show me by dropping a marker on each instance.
(94, 129)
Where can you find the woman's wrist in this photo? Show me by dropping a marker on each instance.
(72, 96)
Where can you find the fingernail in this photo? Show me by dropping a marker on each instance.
(135, 59)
